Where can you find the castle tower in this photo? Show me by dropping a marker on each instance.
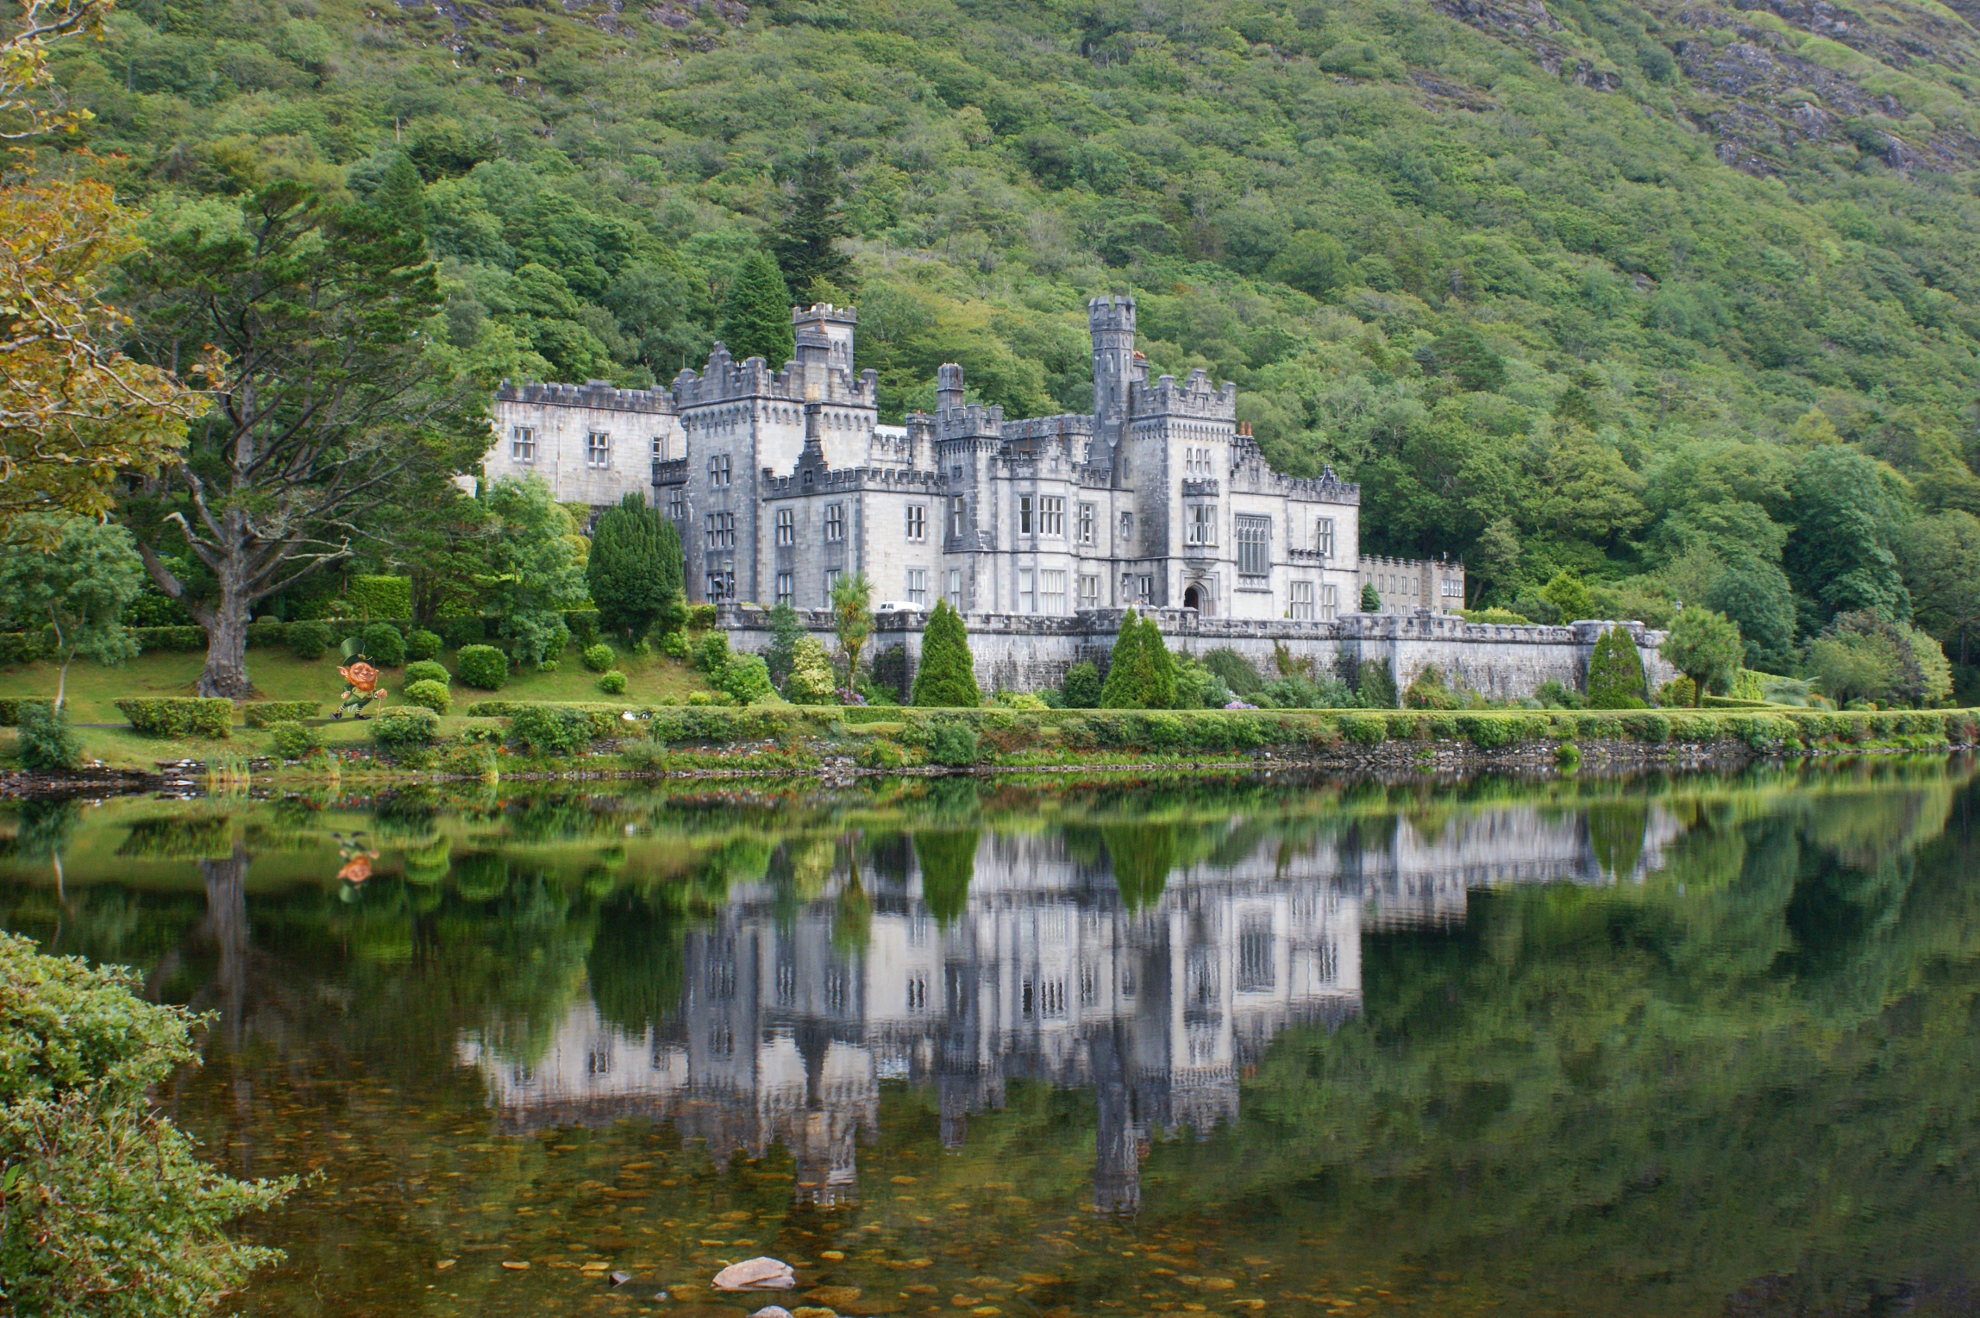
(835, 324)
(1110, 320)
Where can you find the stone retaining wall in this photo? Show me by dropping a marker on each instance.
(1025, 652)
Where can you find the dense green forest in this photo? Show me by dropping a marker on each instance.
(1679, 298)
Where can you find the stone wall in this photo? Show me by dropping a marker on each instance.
(1020, 652)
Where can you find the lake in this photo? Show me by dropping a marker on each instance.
(1664, 1045)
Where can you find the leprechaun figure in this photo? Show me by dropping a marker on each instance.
(360, 685)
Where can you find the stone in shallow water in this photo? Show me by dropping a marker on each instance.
(757, 1274)
(772, 1311)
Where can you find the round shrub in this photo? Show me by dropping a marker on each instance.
(1082, 687)
(422, 644)
(482, 666)
(1487, 733)
(430, 694)
(1364, 730)
(711, 656)
(405, 727)
(308, 641)
(598, 658)
(746, 678)
(47, 743)
(384, 644)
(427, 670)
(613, 683)
(293, 741)
(950, 741)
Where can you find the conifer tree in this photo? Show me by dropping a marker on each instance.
(1126, 686)
(626, 569)
(1615, 672)
(673, 578)
(400, 198)
(756, 313)
(1160, 692)
(947, 676)
(807, 243)
(1371, 599)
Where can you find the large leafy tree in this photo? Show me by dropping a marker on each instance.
(327, 414)
(756, 313)
(1706, 648)
(74, 411)
(535, 559)
(1847, 511)
(73, 577)
(626, 569)
(1942, 567)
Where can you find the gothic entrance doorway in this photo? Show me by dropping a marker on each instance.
(1193, 599)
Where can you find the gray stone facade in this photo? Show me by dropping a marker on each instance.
(783, 480)
(1016, 652)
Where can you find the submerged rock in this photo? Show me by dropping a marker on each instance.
(757, 1274)
(772, 1311)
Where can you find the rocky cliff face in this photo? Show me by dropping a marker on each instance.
(1769, 77)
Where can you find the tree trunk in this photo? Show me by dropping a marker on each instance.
(226, 639)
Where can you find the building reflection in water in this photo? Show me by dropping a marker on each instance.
(1047, 973)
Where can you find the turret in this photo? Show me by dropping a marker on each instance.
(948, 386)
(1110, 320)
(835, 324)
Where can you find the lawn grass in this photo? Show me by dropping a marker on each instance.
(94, 689)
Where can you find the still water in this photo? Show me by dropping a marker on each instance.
(1659, 1046)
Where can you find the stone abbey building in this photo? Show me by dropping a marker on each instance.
(783, 480)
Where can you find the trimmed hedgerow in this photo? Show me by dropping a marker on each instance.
(11, 706)
(293, 741)
(482, 666)
(308, 640)
(179, 716)
(1365, 729)
(551, 729)
(267, 713)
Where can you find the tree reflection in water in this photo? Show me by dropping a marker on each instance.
(1656, 1047)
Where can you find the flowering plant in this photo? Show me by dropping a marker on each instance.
(847, 696)
(1238, 704)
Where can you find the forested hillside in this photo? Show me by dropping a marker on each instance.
(1677, 296)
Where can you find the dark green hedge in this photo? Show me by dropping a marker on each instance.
(180, 716)
(267, 713)
(10, 708)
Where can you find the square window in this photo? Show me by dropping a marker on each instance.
(718, 471)
(1201, 528)
(832, 578)
(917, 522)
(1089, 592)
(522, 445)
(677, 503)
(1052, 589)
(598, 449)
(1051, 516)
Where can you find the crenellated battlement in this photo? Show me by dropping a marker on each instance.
(825, 480)
(1194, 397)
(601, 395)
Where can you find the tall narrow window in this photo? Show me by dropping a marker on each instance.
(1323, 537)
(955, 589)
(1330, 602)
(785, 594)
(786, 526)
(835, 521)
(1051, 516)
(597, 449)
(1086, 520)
(917, 522)
(1024, 514)
(958, 515)
(1254, 537)
(677, 503)
(718, 471)
(659, 449)
(1027, 591)
(1301, 601)
(832, 578)
(917, 585)
(1089, 591)
(522, 445)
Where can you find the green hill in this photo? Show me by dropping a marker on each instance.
(1577, 283)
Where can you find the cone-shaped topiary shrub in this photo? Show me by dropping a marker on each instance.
(947, 676)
